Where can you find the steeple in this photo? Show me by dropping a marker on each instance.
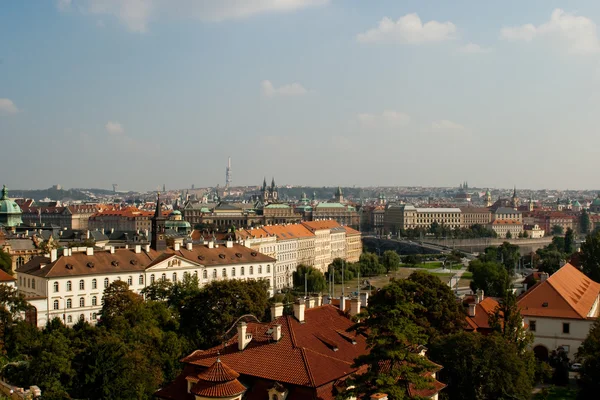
(273, 183)
(4, 193)
(264, 187)
(159, 242)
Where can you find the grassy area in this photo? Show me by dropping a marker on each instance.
(556, 393)
(467, 275)
(428, 265)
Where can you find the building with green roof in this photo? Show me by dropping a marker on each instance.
(10, 212)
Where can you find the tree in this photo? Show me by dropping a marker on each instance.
(412, 259)
(589, 352)
(508, 322)
(314, 279)
(435, 229)
(11, 304)
(557, 230)
(569, 241)
(391, 334)
(480, 366)
(491, 277)
(508, 235)
(390, 260)
(369, 265)
(159, 290)
(584, 222)
(559, 360)
(5, 262)
(551, 260)
(590, 256)
(525, 235)
(117, 301)
(441, 313)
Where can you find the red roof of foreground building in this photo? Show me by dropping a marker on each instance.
(4, 277)
(567, 293)
(217, 381)
(480, 321)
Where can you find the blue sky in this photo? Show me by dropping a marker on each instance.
(313, 92)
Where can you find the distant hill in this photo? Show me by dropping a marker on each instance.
(51, 193)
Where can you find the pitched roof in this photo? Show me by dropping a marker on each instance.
(324, 224)
(222, 255)
(289, 231)
(4, 277)
(483, 310)
(506, 222)
(567, 293)
(350, 231)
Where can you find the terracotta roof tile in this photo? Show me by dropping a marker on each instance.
(4, 277)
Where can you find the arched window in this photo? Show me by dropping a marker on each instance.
(69, 319)
(56, 304)
(69, 303)
(20, 262)
(242, 271)
(174, 276)
(233, 271)
(33, 283)
(94, 283)
(130, 280)
(260, 269)
(152, 278)
(224, 272)
(164, 277)
(82, 317)
(251, 270)
(214, 273)
(81, 302)
(81, 284)
(68, 286)
(94, 301)
(28, 282)
(204, 274)
(105, 283)
(55, 286)
(141, 280)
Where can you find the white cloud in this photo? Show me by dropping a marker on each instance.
(473, 48)
(579, 34)
(137, 14)
(388, 118)
(292, 89)
(8, 107)
(409, 30)
(114, 128)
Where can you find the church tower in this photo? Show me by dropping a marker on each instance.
(339, 196)
(515, 202)
(488, 198)
(274, 194)
(159, 242)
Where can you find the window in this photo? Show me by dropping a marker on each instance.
(260, 269)
(174, 276)
(152, 278)
(94, 283)
(82, 317)
(94, 301)
(81, 285)
(566, 327)
(69, 303)
(164, 277)
(69, 319)
(242, 271)
(94, 316)
(105, 283)
(141, 280)
(130, 280)
(204, 274)
(233, 271)
(56, 304)
(268, 269)
(214, 273)
(224, 272)
(532, 326)
(33, 283)
(68, 286)
(251, 270)
(81, 302)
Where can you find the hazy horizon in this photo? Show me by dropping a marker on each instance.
(315, 92)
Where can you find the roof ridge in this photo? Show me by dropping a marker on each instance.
(311, 378)
(292, 334)
(325, 355)
(568, 301)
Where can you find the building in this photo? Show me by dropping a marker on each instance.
(507, 214)
(560, 310)
(259, 240)
(6, 279)
(503, 227)
(479, 309)
(10, 212)
(126, 219)
(305, 356)
(69, 217)
(475, 216)
(424, 217)
(20, 250)
(353, 244)
(287, 255)
(534, 231)
(322, 232)
(344, 214)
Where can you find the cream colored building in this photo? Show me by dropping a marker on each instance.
(475, 216)
(287, 255)
(503, 226)
(322, 232)
(534, 232)
(259, 240)
(353, 245)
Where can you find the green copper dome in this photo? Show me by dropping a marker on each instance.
(10, 212)
(596, 202)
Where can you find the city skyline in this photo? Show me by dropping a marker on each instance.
(313, 92)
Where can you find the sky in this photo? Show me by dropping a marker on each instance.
(313, 92)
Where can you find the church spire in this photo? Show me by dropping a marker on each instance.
(159, 242)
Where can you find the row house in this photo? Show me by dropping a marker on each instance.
(547, 220)
(69, 217)
(287, 255)
(353, 244)
(127, 219)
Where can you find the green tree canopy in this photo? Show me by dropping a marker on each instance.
(557, 230)
(589, 352)
(584, 222)
(489, 276)
(569, 241)
(12, 303)
(590, 256)
(314, 279)
(5, 262)
(390, 260)
(508, 322)
(480, 367)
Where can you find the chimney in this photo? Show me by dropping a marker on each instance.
(87, 234)
(102, 230)
(146, 233)
(276, 332)
(544, 276)
(211, 245)
(176, 246)
(354, 307)
(311, 302)
(53, 255)
(379, 396)
(229, 244)
(147, 248)
(189, 246)
(138, 248)
(276, 311)
(66, 251)
(243, 337)
(112, 249)
(342, 303)
(479, 296)
(89, 251)
(112, 230)
(472, 309)
(319, 299)
(364, 299)
(299, 306)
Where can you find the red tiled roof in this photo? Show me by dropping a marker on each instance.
(289, 231)
(325, 224)
(4, 277)
(483, 310)
(567, 293)
(217, 381)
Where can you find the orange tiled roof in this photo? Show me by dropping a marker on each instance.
(350, 231)
(506, 222)
(217, 381)
(483, 310)
(4, 277)
(289, 231)
(325, 224)
(567, 293)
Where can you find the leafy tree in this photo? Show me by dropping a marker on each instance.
(508, 322)
(159, 290)
(5, 262)
(559, 360)
(117, 300)
(435, 229)
(508, 235)
(590, 256)
(11, 304)
(369, 265)
(525, 235)
(480, 367)
(557, 230)
(412, 259)
(392, 362)
(569, 241)
(551, 260)
(441, 313)
(489, 276)
(390, 260)
(314, 279)
(584, 222)
(589, 352)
